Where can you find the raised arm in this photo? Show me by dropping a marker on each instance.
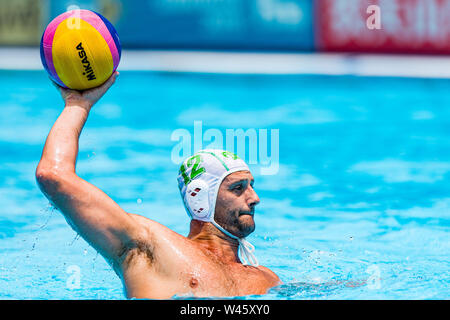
(89, 211)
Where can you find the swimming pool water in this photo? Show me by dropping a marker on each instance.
(359, 208)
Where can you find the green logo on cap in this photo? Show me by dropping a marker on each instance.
(228, 154)
(193, 162)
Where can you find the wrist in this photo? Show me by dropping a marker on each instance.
(86, 106)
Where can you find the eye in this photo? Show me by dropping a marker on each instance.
(239, 187)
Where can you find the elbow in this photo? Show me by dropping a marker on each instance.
(49, 179)
(44, 176)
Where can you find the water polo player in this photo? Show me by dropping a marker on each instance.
(152, 260)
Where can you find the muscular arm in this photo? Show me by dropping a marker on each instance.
(90, 212)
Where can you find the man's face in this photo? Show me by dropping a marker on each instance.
(235, 204)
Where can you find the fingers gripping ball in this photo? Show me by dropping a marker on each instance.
(80, 49)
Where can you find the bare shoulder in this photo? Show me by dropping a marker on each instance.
(160, 238)
(270, 275)
(155, 230)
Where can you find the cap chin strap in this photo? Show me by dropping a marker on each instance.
(246, 249)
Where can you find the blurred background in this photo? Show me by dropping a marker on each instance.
(408, 26)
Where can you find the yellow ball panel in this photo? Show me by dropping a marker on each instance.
(81, 55)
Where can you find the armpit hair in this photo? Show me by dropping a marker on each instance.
(134, 249)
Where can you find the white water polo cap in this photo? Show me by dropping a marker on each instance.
(199, 180)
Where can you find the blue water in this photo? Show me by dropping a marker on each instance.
(359, 208)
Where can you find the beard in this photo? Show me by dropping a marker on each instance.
(240, 225)
(246, 225)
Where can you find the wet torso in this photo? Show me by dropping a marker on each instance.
(169, 264)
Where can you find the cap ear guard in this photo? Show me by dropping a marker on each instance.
(197, 200)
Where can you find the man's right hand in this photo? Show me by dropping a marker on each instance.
(87, 98)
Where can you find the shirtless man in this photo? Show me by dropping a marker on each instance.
(152, 260)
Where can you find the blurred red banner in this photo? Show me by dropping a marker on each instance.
(406, 26)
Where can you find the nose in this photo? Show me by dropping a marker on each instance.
(253, 198)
